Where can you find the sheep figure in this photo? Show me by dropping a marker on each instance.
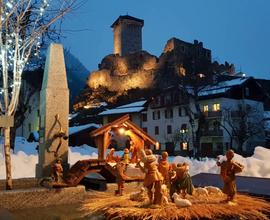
(199, 191)
(179, 202)
(214, 190)
(164, 192)
(138, 196)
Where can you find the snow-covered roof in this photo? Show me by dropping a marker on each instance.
(122, 110)
(95, 105)
(221, 87)
(128, 108)
(213, 91)
(71, 116)
(75, 129)
(133, 104)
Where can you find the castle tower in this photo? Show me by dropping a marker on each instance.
(127, 33)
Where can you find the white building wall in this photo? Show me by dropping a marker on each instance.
(175, 122)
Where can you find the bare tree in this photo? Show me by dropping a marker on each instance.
(22, 26)
(248, 123)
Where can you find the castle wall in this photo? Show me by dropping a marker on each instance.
(131, 38)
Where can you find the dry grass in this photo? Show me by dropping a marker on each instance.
(117, 208)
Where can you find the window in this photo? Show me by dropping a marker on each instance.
(182, 71)
(183, 48)
(205, 108)
(184, 146)
(169, 129)
(38, 113)
(247, 91)
(156, 115)
(29, 127)
(176, 98)
(144, 117)
(216, 125)
(145, 129)
(168, 100)
(157, 100)
(156, 130)
(180, 111)
(184, 112)
(168, 113)
(184, 129)
(216, 107)
(201, 75)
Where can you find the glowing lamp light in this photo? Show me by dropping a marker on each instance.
(157, 146)
(122, 131)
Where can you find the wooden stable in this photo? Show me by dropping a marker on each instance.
(140, 138)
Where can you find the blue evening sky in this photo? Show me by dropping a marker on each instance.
(237, 31)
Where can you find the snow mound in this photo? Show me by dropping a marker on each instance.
(258, 165)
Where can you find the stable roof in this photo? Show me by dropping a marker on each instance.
(102, 134)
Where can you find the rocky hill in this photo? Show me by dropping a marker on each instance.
(142, 74)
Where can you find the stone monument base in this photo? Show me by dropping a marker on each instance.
(41, 197)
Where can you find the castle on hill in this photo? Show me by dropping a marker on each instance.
(132, 68)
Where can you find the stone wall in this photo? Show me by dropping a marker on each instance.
(40, 197)
(23, 183)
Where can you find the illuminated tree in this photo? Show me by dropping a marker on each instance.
(23, 24)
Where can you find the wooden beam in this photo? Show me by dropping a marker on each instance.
(108, 127)
(140, 132)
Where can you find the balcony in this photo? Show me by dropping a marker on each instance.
(213, 133)
(235, 114)
(213, 114)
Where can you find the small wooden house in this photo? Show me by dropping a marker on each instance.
(140, 138)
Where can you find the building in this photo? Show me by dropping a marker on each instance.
(234, 113)
(230, 115)
(127, 33)
(27, 115)
(193, 51)
(166, 119)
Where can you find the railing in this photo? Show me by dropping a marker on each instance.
(213, 114)
(235, 114)
(216, 133)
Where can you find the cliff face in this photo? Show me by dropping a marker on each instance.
(117, 73)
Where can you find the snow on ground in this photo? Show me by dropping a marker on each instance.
(258, 165)
(25, 158)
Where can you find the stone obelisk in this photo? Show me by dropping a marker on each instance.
(54, 110)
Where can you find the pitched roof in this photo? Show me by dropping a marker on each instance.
(126, 17)
(128, 108)
(222, 86)
(124, 120)
(76, 129)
